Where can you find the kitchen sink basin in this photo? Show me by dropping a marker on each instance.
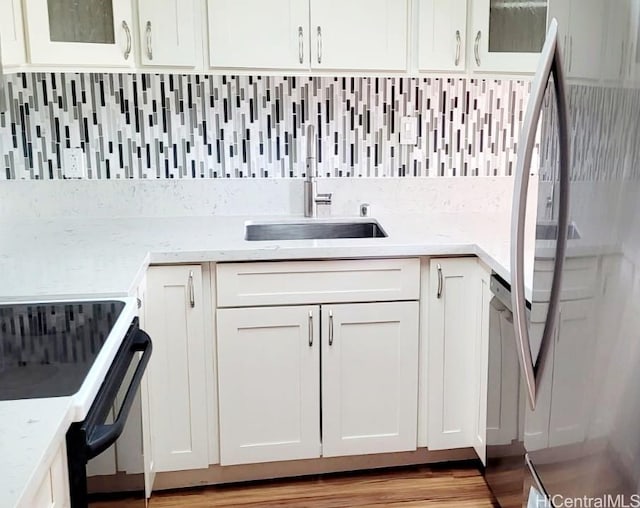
(550, 232)
(312, 230)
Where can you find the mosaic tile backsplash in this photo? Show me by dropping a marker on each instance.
(196, 126)
(603, 134)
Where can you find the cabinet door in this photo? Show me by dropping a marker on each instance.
(91, 32)
(616, 34)
(177, 392)
(482, 361)
(265, 34)
(452, 359)
(147, 425)
(571, 373)
(502, 378)
(53, 491)
(586, 39)
(167, 32)
(632, 58)
(442, 35)
(369, 378)
(359, 34)
(11, 33)
(508, 35)
(269, 384)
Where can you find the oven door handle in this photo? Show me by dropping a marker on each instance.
(103, 436)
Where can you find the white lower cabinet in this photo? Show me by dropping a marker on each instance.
(299, 378)
(369, 378)
(269, 381)
(174, 319)
(565, 385)
(483, 307)
(453, 337)
(269, 384)
(53, 491)
(571, 385)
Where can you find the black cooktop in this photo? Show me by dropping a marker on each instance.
(46, 349)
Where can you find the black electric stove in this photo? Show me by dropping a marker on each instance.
(47, 349)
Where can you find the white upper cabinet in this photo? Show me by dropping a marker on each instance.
(582, 36)
(369, 378)
(632, 60)
(260, 34)
(168, 32)
(11, 33)
(507, 35)
(442, 35)
(616, 35)
(92, 33)
(359, 34)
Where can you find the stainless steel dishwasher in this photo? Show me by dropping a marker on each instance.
(505, 464)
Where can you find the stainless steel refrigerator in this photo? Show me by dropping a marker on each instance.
(563, 406)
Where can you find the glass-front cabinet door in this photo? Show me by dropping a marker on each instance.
(80, 32)
(507, 35)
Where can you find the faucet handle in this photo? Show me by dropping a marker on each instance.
(323, 199)
(365, 209)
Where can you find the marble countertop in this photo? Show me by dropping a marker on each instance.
(80, 258)
(75, 258)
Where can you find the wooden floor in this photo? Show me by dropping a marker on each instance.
(461, 486)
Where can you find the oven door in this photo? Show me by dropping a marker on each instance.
(105, 451)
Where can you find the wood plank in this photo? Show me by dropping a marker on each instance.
(459, 486)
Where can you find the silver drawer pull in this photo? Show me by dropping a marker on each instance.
(148, 34)
(331, 328)
(310, 328)
(127, 32)
(300, 44)
(458, 45)
(439, 294)
(192, 295)
(319, 45)
(476, 48)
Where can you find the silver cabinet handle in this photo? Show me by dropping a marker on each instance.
(148, 36)
(439, 293)
(192, 294)
(570, 53)
(550, 63)
(139, 302)
(458, 45)
(476, 47)
(300, 44)
(623, 50)
(310, 328)
(331, 328)
(319, 45)
(127, 32)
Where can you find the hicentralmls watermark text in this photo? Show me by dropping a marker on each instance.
(605, 501)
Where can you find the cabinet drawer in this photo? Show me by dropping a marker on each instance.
(304, 282)
(578, 279)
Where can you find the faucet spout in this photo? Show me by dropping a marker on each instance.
(311, 169)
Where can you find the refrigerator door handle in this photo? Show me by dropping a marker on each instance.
(550, 64)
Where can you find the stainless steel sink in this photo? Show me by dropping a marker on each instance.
(312, 230)
(550, 232)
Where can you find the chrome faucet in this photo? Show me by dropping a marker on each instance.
(311, 199)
